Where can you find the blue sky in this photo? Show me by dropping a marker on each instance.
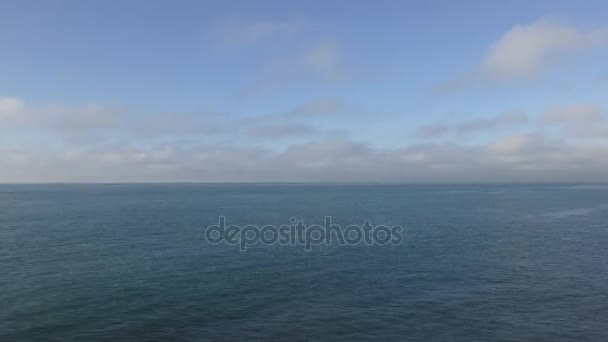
(396, 91)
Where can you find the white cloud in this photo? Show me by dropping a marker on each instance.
(526, 50)
(58, 117)
(323, 55)
(574, 114)
(321, 107)
(532, 157)
(289, 61)
(320, 63)
(236, 30)
(99, 124)
(582, 121)
(60, 122)
(10, 107)
(505, 119)
(278, 131)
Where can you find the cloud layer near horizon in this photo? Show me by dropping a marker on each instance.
(546, 147)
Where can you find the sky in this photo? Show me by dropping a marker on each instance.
(309, 91)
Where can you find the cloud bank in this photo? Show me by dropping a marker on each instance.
(196, 152)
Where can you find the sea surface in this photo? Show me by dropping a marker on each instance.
(130, 263)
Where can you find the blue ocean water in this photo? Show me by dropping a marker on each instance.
(129, 263)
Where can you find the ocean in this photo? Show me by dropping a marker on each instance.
(130, 262)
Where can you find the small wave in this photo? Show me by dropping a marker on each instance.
(590, 187)
(575, 212)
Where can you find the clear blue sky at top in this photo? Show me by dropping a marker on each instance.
(161, 55)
